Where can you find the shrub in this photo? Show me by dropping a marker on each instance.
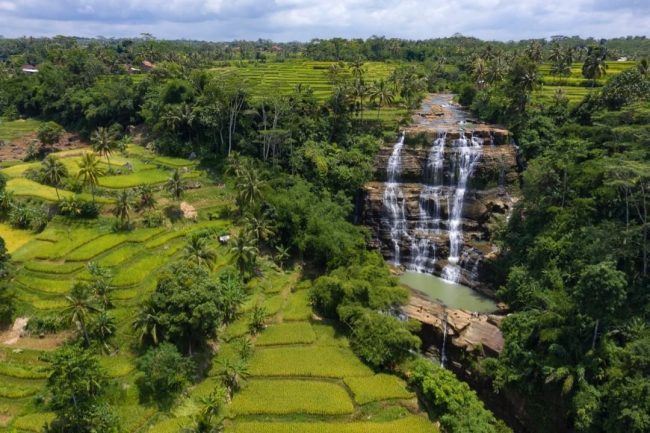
(625, 88)
(24, 216)
(76, 207)
(164, 375)
(153, 218)
(45, 325)
(467, 94)
(452, 401)
(380, 340)
(365, 282)
(49, 133)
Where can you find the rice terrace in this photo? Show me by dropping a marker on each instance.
(329, 233)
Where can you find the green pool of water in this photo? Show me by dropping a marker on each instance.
(451, 294)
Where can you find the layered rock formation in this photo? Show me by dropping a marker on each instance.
(451, 180)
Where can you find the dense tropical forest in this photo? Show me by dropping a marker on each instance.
(180, 251)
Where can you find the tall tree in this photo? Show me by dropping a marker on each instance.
(81, 308)
(90, 171)
(249, 187)
(75, 385)
(123, 206)
(146, 324)
(595, 66)
(381, 94)
(54, 171)
(199, 251)
(175, 185)
(103, 143)
(244, 253)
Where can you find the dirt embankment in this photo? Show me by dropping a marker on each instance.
(16, 149)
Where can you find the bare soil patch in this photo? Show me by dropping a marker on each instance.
(17, 149)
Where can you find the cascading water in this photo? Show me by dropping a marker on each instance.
(395, 212)
(423, 250)
(443, 355)
(458, 159)
(466, 154)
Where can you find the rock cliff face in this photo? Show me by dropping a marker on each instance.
(436, 196)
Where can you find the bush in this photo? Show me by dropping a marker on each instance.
(33, 151)
(164, 375)
(153, 218)
(380, 340)
(23, 216)
(45, 325)
(365, 282)
(467, 95)
(77, 208)
(625, 88)
(452, 402)
(49, 133)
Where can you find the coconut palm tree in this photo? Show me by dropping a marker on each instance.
(359, 91)
(232, 374)
(249, 187)
(146, 323)
(281, 255)
(381, 94)
(244, 252)
(103, 329)
(199, 251)
(175, 185)
(595, 66)
(90, 171)
(80, 307)
(357, 69)
(101, 284)
(257, 321)
(123, 207)
(479, 71)
(643, 67)
(258, 227)
(556, 56)
(54, 172)
(103, 143)
(534, 51)
(206, 420)
(496, 69)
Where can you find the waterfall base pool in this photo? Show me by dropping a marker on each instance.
(451, 294)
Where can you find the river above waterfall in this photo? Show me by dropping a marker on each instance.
(450, 294)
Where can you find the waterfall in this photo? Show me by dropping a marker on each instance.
(448, 168)
(443, 355)
(423, 250)
(465, 155)
(394, 203)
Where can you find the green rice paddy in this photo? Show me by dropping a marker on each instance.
(575, 87)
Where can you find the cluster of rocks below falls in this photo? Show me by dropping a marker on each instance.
(491, 193)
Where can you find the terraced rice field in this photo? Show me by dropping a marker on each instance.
(575, 87)
(273, 78)
(137, 167)
(282, 77)
(13, 129)
(305, 378)
(303, 375)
